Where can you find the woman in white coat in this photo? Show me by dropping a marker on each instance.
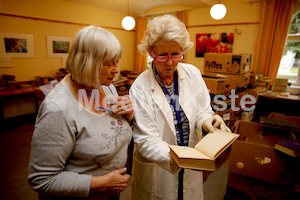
(170, 101)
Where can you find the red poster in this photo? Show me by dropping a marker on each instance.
(213, 43)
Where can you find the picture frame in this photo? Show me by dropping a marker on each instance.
(16, 45)
(58, 46)
(214, 43)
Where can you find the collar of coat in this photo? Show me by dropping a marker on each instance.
(161, 101)
(180, 71)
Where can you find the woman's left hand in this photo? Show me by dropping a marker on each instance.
(123, 106)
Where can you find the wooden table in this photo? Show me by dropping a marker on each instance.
(8, 95)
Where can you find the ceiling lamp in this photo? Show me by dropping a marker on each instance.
(218, 11)
(128, 23)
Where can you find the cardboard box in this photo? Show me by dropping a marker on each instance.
(220, 85)
(227, 63)
(242, 187)
(242, 79)
(252, 132)
(262, 162)
(253, 155)
(281, 82)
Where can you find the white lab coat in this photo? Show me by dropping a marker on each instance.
(152, 175)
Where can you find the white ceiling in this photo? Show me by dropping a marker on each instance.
(138, 6)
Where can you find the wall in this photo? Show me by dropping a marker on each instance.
(27, 68)
(238, 11)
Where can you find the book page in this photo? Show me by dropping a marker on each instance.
(188, 152)
(213, 143)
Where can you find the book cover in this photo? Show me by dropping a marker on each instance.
(290, 147)
(205, 152)
(274, 122)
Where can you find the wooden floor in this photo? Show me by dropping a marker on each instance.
(15, 144)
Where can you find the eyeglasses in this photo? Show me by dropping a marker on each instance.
(178, 57)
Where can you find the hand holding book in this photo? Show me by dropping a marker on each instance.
(216, 121)
(205, 152)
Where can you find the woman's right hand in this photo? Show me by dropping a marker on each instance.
(115, 181)
(216, 121)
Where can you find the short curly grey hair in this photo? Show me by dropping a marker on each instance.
(165, 28)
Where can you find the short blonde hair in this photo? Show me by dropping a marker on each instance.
(165, 28)
(93, 46)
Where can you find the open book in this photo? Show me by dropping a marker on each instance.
(205, 152)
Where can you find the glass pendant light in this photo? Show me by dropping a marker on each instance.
(128, 23)
(218, 11)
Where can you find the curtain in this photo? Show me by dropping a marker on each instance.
(275, 18)
(181, 16)
(140, 60)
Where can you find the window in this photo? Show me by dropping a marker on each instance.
(290, 61)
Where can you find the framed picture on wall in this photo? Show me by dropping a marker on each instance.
(58, 46)
(16, 45)
(214, 43)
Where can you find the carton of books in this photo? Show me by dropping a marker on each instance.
(227, 63)
(220, 85)
(242, 80)
(253, 155)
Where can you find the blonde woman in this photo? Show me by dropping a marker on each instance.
(82, 131)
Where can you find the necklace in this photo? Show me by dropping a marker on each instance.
(98, 108)
(87, 90)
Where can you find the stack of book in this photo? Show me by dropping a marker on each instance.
(121, 85)
(10, 82)
(131, 77)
